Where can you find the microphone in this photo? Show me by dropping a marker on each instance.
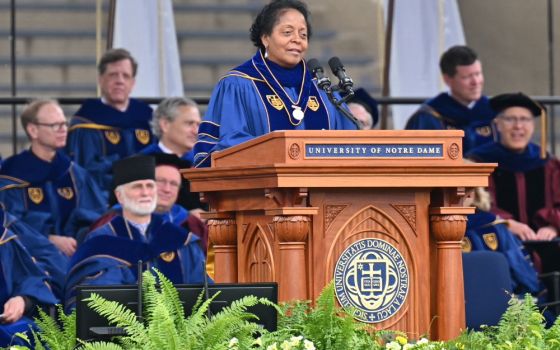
(325, 84)
(318, 73)
(345, 83)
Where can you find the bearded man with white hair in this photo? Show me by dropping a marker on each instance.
(110, 253)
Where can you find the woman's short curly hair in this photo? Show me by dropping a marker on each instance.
(269, 15)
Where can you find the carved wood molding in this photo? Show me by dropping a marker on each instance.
(259, 256)
(448, 227)
(291, 218)
(294, 151)
(454, 151)
(291, 228)
(408, 212)
(286, 197)
(222, 231)
(331, 212)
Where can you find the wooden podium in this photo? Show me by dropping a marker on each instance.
(284, 206)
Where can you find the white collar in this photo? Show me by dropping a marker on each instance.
(469, 106)
(164, 148)
(140, 227)
(104, 101)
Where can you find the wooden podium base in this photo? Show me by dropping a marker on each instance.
(281, 212)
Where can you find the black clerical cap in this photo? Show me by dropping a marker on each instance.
(502, 102)
(138, 167)
(505, 101)
(171, 160)
(362, 97)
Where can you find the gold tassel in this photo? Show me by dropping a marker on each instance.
(544, 132)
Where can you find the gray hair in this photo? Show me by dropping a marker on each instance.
(168, 110)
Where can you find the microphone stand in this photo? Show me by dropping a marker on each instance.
(205, 287)
(338, 104)
(139, 310)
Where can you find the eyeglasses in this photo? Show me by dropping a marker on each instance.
(54, 126)
(164, 182)
(511, 120)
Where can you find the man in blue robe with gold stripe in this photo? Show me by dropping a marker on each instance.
(110, 253)
(463, 107)
(61, 198)
(113, 127)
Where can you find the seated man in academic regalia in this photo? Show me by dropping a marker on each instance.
(168, 182)
(463, 107)
(113, 127)
(110, 253)
(23, 287)
(175, 124)
(62, 198)
(525, 187)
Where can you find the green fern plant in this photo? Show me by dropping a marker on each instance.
(166, 327)
(552, 337)
(522, 325)
(300, 326)
(327, 325)
(52, 335)
(101, 346)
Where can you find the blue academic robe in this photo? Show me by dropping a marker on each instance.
(13, 185)
(155, 149)
(444, 112)
(100, 135)
(484, 232)
(20, 276)
(61, 198)
(46, 255)
(109, 255)
(177, 215)
(257, 98)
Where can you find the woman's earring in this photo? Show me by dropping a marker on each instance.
(266, 52)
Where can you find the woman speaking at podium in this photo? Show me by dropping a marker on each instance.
(272, 91)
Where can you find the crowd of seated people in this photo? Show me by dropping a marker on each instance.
(63, 229)
(523, 194)
(59, 228)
